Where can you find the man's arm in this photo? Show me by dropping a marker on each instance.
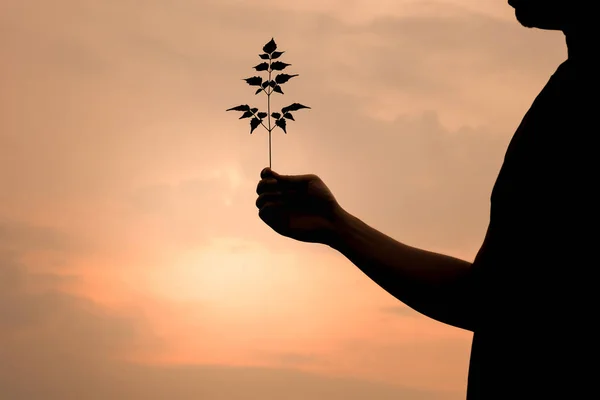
(435, 285)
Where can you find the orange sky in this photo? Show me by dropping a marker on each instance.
(133, 264)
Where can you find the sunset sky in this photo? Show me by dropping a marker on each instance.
(133, 264)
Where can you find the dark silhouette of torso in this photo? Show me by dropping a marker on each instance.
(536, 266)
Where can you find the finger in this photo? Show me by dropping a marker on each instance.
(293, 179)
(266, 173)
(266, 185)
(268, 212)
(270, 197)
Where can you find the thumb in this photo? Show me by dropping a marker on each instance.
(269, 173)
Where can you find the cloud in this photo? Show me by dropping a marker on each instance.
(421, 359)
(55, 345)
(47, 334)
(411, 177)
(152, 113)
(18, 236)
(213, 383)
(72, 347)
(293, 359)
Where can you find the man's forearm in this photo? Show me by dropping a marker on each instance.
(433, 284)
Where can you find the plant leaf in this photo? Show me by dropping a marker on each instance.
(288, 116)
(262, 115)
(254, 81)
(272, 84)
(281, 123)
(278, 65)
(265, 84)
(243, 107)
(247, 114)
(258, 91)
(270, 46)
(276, 54)
(293, 107)
(254, 123)
(264, 56)
(278, 89)
(254, 110)
(283, 78)
(276, 115)
(262, 66)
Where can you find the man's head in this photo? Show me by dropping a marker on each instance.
(551, 14)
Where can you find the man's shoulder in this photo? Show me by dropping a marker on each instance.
(549, 154)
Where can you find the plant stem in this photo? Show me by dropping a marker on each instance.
(269, 111)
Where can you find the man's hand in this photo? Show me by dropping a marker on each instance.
(300, 207)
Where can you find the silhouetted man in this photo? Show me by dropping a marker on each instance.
(533, 269)
(530, 294)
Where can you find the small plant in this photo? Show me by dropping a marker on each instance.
(269, 86)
